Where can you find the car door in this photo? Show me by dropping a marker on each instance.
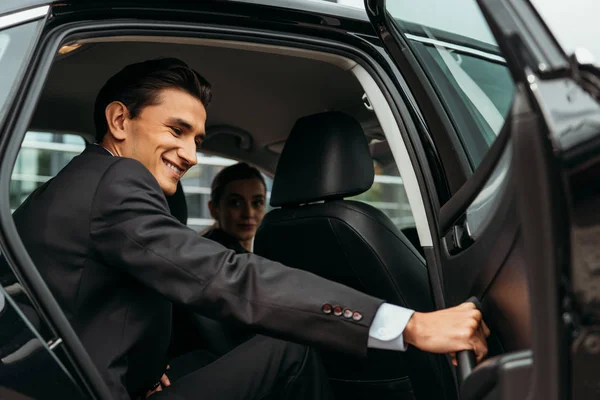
(40, 355)
(514, 110)
(31, 358)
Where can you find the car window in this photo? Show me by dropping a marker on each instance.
(41, 156)
(15, 47)
(44, 154)
(388, 195)
(464, 65)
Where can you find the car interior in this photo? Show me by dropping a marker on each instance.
(316, 123)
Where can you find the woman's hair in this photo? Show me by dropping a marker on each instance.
(232, 173)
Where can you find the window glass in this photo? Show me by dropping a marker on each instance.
(388, 195)
(15, 44)
(42, 155)
(463, 63)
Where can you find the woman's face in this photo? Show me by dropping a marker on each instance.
(241, 208)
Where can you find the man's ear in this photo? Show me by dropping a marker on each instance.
(116, 114)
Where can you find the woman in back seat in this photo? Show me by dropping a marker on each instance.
(237, 203)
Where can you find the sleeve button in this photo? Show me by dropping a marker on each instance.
(337, 311)
(347, 313)
(326, 308)
(356, 316)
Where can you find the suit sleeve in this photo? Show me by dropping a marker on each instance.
(132, 229)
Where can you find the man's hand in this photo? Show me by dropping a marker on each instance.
(163, 383)
(448, 331)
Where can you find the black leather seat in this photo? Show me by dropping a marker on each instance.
(325, 159)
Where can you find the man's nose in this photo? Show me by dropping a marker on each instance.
(188, 153)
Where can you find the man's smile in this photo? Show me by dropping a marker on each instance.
(178, 171)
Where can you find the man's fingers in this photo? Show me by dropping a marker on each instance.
(486, 330)
(151, 392)
(467, 306)
(480, 347)
(164, 380)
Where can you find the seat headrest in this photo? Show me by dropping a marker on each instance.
(326, 157)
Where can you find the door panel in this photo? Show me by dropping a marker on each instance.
(31, 364)
(20, 36)
(517, 258)
(478, 242)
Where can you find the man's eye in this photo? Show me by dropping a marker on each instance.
(258, 203)
(176, 130)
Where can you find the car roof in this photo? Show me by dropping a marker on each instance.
(316, 6)
(322, 7)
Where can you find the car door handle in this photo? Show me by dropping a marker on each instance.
(466, 359)
(459, 238)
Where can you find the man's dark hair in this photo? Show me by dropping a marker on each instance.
(139, 85)
(232, 173)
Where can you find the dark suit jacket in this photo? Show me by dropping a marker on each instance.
(102, 237)
(225, 239)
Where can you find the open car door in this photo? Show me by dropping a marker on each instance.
(517, 125)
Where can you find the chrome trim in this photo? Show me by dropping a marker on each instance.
(54, 344)
(6, 21)
(452, 46)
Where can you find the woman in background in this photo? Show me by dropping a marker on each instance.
(237, 204)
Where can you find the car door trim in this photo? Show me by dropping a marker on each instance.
(399, 150)
(20, 17)
(457, 47)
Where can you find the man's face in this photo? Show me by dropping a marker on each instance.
(164, 137)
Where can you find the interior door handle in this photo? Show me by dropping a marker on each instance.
(466, 359)
(459, 238)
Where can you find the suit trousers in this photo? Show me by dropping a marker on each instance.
(262, 368)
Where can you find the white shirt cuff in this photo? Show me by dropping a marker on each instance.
(387, 327)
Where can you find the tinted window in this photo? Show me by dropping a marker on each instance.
(461, 59)
(388, 195)
(15, 46)
(44, 154)
(41, 157)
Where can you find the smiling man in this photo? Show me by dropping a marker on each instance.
(102, 236)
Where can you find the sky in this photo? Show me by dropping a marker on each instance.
(574, 23)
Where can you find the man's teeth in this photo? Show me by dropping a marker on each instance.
(174, 168)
